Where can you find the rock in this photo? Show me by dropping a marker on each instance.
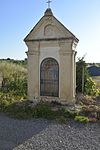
(32, 104)
(54, 108)
(92, 120)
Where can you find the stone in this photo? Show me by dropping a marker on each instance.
(92, 120)
(51, 60)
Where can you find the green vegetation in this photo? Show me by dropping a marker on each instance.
(22, 63)
(19, 110)
(69, 113)
(82, 119)
(81, 75)
(90, 87)
(7, 99)
(14, 91)
(14, 79)
(84, 83)
(47, 110)
(14, 84)
(23, 110)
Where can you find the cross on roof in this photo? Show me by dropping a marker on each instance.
(49, 3)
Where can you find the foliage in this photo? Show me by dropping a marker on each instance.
(14, 78)
(84, 83)
(81, 74)
(22, 110)
(19, 110)
(98, 92)
(61, 120)
(7, 99)
(22, 63)
(90, 87)
(69, 113)
(82, 119)
(43, 110)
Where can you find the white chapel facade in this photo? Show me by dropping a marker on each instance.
(51, 60)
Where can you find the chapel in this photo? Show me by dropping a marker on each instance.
(51, 60)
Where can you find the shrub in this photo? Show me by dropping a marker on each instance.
(81, 75)
(19, 110)
(82, 119)
(42, 110)
(84, 82)
(14, 78)
(98, 92)
(90, 87)
(69, 113)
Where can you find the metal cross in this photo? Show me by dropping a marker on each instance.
(49, 3)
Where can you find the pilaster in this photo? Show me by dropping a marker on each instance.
(33, 71)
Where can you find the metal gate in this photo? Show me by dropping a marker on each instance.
(49, 78)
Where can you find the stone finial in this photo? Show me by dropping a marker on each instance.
(48, 12)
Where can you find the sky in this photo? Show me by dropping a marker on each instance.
(81, 17)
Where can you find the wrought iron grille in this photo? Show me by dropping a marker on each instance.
(49, 78)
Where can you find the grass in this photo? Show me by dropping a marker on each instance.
(51, 111)
(22, 110)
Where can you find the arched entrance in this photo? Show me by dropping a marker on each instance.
(49, 78)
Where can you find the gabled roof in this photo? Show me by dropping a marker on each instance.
(36, 32)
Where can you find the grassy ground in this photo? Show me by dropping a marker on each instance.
(47, 110)
(23, 109)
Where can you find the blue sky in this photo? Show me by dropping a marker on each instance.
(81, 17)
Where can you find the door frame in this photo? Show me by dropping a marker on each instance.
(57, 78)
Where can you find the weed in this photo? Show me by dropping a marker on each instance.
(82, 119)
(69, 113)
(61, 120)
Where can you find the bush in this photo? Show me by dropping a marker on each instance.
(19, 110)
(84, 82)
(42, 110)
(98, 92)
(14, 78)
(90, 87)
(82, 119)
(81, 75)
(70, 113)
(7, 99)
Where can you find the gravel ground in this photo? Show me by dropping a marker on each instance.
(40, 134)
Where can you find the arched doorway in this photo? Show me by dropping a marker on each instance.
(49, 77)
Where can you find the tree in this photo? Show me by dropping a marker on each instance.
(84, 82)
(81, 75)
